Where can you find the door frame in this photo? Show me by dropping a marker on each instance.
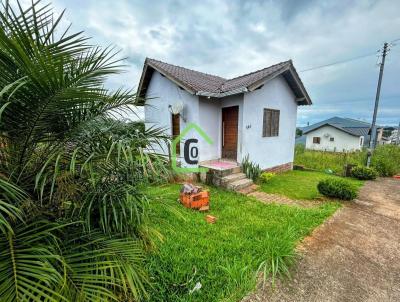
(223, 132)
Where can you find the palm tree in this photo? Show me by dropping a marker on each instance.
(73, 221)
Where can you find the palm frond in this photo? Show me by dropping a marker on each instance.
(10, 197)
(29, 261)
(101, 268)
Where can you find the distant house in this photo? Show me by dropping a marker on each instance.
(339, 135)
(253, 114)
(394, 137)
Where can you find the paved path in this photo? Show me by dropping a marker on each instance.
(354, 256)
(280, 199)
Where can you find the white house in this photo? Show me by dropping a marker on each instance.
(339, 135)
(254, 114)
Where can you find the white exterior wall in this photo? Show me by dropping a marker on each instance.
(210, 122)
(160, 94)
(269, 151)
(343, 142)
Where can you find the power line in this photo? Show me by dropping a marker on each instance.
(340, 62)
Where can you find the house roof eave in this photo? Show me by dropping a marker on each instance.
(304, 99)
(334, 126)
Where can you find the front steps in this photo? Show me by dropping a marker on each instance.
(228, 175)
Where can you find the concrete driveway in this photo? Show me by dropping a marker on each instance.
(354, 256)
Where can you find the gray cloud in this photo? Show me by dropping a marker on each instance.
(229, 38)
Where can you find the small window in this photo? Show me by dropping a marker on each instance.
(271, 123)
(361, 141)
(316, 140)
(332, 139)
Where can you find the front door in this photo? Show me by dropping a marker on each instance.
(230, 117)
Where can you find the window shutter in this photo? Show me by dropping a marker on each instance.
(270, 122)
(264, 134)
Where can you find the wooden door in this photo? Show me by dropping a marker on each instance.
(176, 131)
(230, 116)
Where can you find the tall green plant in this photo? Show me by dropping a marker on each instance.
(72, 219)
(252, 170)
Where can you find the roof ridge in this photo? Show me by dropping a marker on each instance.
(209, 74)
(247, 74)
(352, 119)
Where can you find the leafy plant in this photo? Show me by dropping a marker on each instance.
(337, 188)
(364, 173)
(386, 160)
(251, 169)
(266, 177)
(73, 220)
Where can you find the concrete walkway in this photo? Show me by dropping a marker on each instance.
(354, 256)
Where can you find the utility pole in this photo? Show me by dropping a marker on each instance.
(372, 141)
(398, 135)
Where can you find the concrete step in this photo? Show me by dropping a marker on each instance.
(226, 172)
(249, 189)
(239, 184)
(226, 180)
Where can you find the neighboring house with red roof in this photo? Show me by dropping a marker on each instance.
(254, 114)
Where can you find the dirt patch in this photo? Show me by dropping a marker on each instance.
(354, 256)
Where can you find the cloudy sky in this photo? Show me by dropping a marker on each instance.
(229, 38)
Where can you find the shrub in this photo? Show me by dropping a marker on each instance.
(266, 176)
(252, 170)
(364, 173)
(337, 188)
(386, 160)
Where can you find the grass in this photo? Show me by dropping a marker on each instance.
(385, 159)
(226, 256)
(322, 161)
(299, 184)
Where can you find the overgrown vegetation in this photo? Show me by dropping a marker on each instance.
(224, 258)
(73, 222)
(322, 161)
(337, 188)
(299, 184)
(251, 169)
(364, 173)
(385, 159)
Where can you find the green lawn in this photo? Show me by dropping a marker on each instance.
(299, 184)
(223, 257)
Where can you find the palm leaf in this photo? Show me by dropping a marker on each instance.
(28, 264)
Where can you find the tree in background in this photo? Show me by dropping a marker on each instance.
(72, 219)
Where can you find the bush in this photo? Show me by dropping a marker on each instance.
(252, 170)
(386, 160)
(364, 173)
(266, 176)
(337, 188)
